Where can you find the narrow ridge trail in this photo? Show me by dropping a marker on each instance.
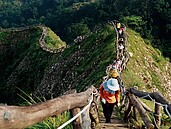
(117, 121)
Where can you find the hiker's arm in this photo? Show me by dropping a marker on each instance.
(117, 96)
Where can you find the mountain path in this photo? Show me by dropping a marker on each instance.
(116, 122)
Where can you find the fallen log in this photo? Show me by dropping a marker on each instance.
(18, 117)
(158, 97)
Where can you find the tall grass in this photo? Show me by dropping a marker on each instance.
(50, 123)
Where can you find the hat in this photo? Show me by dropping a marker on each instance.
(112, 84)
(114, 73)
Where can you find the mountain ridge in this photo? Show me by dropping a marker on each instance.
(79, 66)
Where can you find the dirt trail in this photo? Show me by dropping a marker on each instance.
(116, 122)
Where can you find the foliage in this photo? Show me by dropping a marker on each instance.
(53, 41)
(49, 123)
(146, 66)
(135, 22)
(22, 62)
(29, 64)
(77, 29)
(151, 18)
(145, 70)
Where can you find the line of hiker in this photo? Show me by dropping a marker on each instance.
(111, 86)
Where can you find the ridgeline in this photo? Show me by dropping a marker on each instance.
(27, 66)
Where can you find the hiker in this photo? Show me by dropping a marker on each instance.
(114, 65)
(121, 48)
(113, 73)
(122, 57)
(118, 25)
(121, 31)
(123, 26)
(108, 69)
(118, 64)
(120, 40)
(109, 94)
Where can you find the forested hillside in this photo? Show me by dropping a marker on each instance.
(48, 47)
(152, 18)
(25, 65)
(23, 61)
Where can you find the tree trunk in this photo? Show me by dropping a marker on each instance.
(18, 117)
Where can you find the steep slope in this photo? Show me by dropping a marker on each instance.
(22, 61)
(79, 66)
(28, 65)
(25, 64)
(147, 68)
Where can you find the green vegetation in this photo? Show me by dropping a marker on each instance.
(146, 70)
(22, 62)
(53, 41)
(47, 75)
(29, 66)
(150, 18)
(49, 123)
(146, 67)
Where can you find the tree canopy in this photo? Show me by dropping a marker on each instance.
(151, 18)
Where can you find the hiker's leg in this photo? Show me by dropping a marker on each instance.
(111, 105)
(104, 106)
(108, 113)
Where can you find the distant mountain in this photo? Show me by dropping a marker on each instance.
(149, 18)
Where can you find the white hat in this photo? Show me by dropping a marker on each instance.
(112, 84)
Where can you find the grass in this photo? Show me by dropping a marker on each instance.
(23, 47)
(53, 122)
(146, 63)
(53, 41)
(145, 69)
(49, 123)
